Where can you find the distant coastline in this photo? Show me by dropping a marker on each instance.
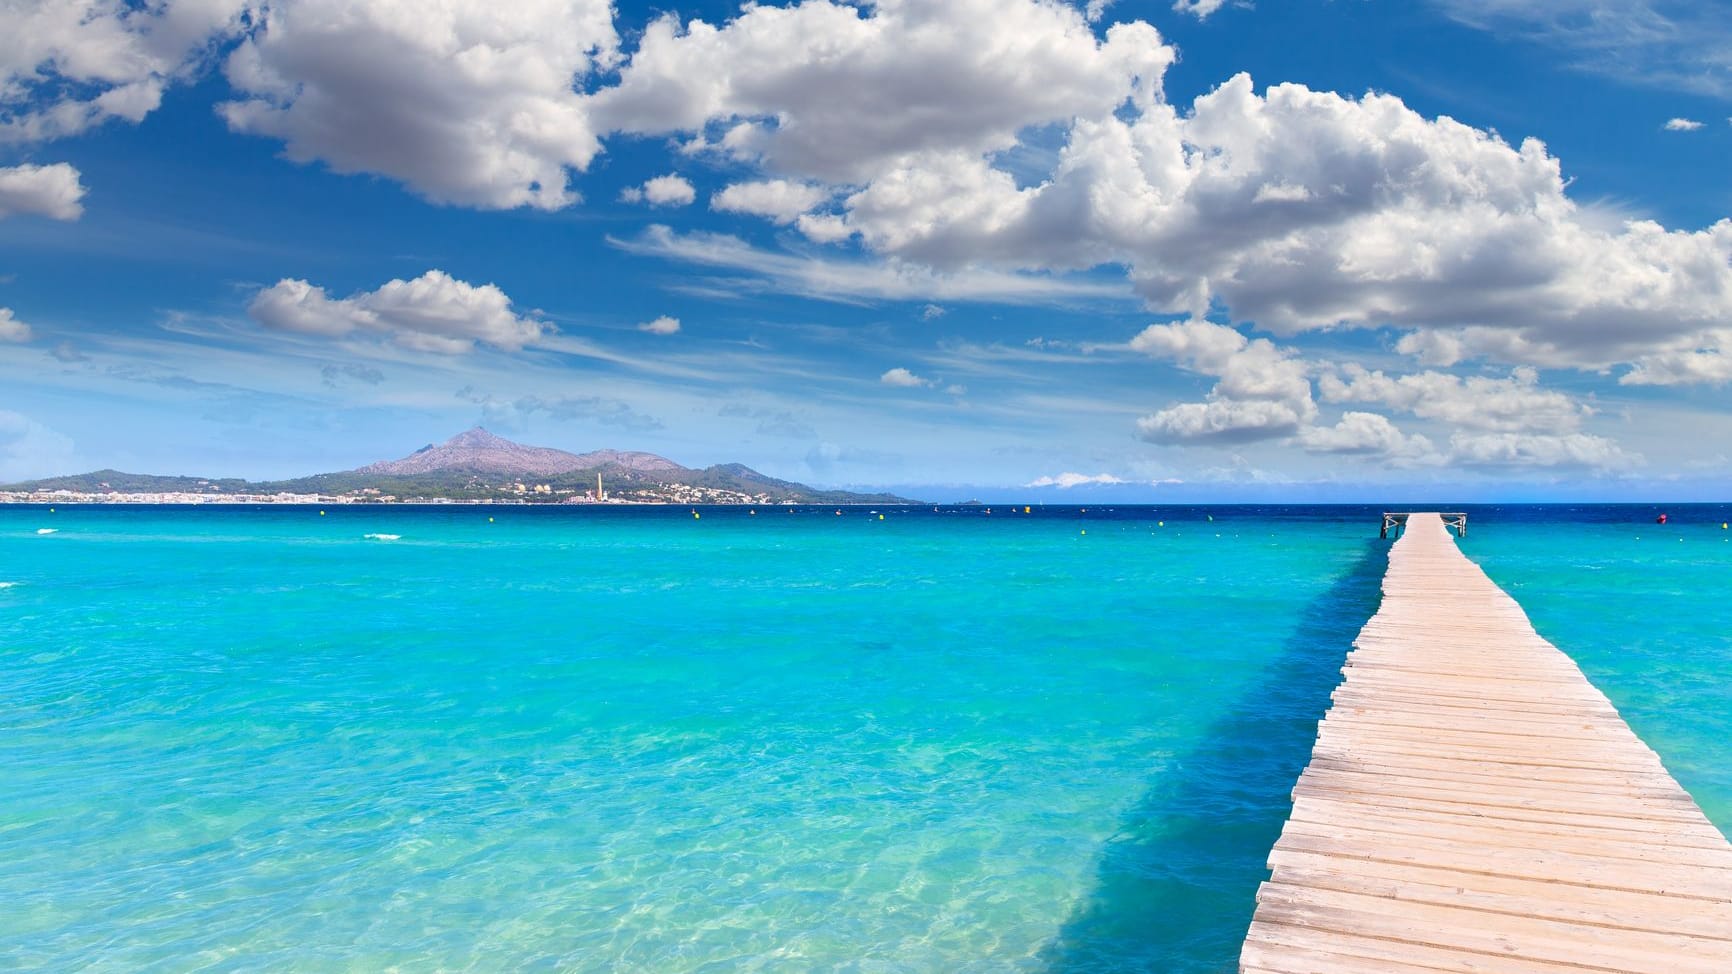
(112, 499)
(473, 467)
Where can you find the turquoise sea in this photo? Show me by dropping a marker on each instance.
(631, 739)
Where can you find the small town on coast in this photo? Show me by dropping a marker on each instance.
(473, 467)
(516, 492)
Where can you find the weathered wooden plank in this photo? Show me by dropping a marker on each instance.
(1288, 951)
(1472, 684)
(1275, 931)
(1317, 781)
(1520, 845)
(1474, 804)
(1538, 763)
(1360, 742)
(1530, 937)
(1531, 770)
(1508, 894)
(1377, 804)
(1595, 730)
(1624, 831)
(1423, 701)
(1556, 867)
(1453, 770)
(1629, 752)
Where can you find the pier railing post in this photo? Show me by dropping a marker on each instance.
(1398, 521)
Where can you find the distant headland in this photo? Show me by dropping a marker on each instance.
(474, 466)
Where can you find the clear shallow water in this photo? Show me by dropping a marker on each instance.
(633, 740)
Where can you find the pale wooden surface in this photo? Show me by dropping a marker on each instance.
(1474, 804)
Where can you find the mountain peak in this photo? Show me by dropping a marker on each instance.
(479, 438)
(478, 450)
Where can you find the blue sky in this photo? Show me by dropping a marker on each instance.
(1310, 250)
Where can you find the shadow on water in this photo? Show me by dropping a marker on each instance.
(1176, 887)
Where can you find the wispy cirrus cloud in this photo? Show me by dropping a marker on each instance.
(334, 376)
(771, 421)
(855, 280)
(506, 413)
(1684, 45)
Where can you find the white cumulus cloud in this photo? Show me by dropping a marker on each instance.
(1067, 480)
(1540, 450)
(1708, 360)
(1200, 9)
(1290, 208)
(66, 65)
(669, 190)
(664, 325)
(834, 92)
(1513, 403)
(1222, 421)
(1495, 421)
(434, 312)
(1265, 391)
(13, 330)
(781, 200)
(469, 102)
(1682, 125)
(1365, 434)
(1302, 210)
(1262, 391)
(53, 191)
(903, 378)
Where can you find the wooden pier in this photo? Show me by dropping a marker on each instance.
(1473, 804)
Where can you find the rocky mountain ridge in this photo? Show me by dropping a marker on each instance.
(481, 451)
(478, 465)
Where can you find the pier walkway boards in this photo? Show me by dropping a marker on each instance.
(1474, 804)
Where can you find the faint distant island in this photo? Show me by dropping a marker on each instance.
(472, 467)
